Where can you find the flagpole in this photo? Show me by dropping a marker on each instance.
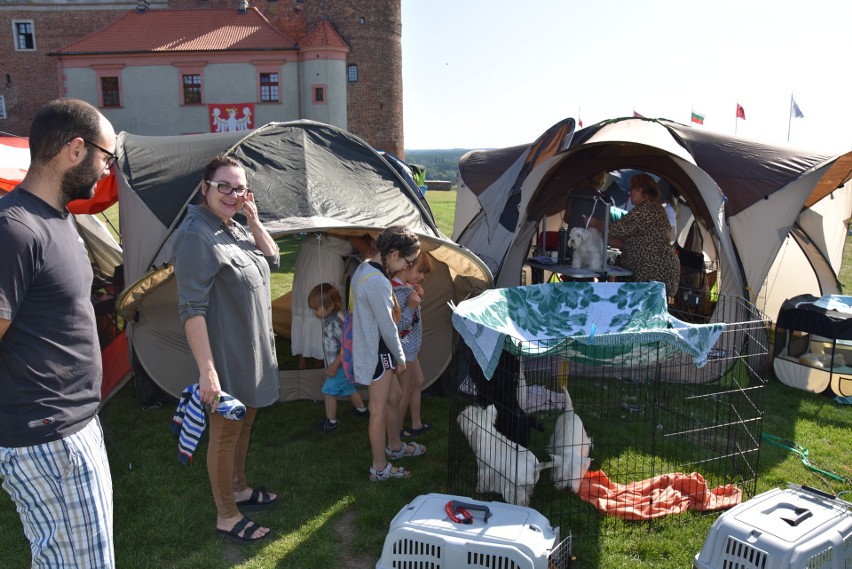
(789, 116)
(736, 115)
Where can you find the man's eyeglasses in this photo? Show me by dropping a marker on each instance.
(409, 264)
(227, 189)
(111, 158)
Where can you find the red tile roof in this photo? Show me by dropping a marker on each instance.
(324, 35)
(206, 29)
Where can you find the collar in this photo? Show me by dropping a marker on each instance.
(215, 223)
(36, 201)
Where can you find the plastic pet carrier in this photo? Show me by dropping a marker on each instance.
(441, 531)
(796, 528)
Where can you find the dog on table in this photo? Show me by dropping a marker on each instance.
(569, 448)
(502, 466)
(588, 248)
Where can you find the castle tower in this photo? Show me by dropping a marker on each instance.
(373, 31)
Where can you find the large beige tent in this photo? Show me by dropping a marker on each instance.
(771, 220)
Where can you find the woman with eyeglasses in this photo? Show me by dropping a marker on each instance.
(377, 349)
(643, 235)
(223, 271)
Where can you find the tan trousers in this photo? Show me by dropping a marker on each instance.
(226, 459)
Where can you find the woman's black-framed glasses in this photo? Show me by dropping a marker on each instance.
(409, 264)
(111, 158)
(227, 189)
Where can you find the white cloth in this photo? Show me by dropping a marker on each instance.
(321, 259)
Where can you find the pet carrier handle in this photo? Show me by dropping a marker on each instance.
(454, 508)
(818, 492)
(801, 515)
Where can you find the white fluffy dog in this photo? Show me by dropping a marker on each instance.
(569, 447)
(588, 248)
(503, 466)
(822, 360)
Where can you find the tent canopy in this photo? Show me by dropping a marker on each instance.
(745, 196)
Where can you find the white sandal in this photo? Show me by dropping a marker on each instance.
(402, 452)
(387, 473)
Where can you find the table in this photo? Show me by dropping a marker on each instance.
(610, 272)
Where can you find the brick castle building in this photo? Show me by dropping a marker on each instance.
(170, 67)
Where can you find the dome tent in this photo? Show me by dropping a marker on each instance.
(751, 204)
(306, 177)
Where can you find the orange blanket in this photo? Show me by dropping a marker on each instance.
(655, 497)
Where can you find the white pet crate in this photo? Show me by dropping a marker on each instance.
(796, 528)
(422, 535)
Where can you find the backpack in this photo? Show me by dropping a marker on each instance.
(346, 359)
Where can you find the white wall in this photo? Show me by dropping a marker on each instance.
(332, 74)
(151, 97)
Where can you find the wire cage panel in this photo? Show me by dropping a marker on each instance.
(515, 437)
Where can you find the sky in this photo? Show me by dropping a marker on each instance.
(494, 73)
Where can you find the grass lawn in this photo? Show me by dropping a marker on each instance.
(330, 515)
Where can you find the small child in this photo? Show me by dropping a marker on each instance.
(409, 294)
(326, 303)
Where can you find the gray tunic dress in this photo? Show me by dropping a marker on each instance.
(222, 276)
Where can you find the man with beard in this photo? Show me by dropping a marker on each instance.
(52, 457)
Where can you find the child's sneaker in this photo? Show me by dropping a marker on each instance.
(365, 413)
(326, 425)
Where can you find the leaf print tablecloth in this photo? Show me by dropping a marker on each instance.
(566, 318)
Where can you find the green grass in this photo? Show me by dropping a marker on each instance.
(443, 205)
(331, 516)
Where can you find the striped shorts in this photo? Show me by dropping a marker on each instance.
(63, 493)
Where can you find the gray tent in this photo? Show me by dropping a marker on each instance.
(306, 176)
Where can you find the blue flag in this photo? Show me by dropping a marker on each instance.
(795, 110)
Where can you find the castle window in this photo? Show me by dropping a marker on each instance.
(24, 35)
(352, 73)
(110, 93)
(192, 89)
(2, 106)
(319, 97)
(269, 88)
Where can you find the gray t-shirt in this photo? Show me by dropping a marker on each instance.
(50, 360)
(332, 334)
(222, 276)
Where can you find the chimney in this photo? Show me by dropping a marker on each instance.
(242, 6)
(142, 6)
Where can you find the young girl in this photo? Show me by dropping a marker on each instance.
(325, 302)
(376, 346)
(409, 294)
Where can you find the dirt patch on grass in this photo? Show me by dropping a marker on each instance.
(344, 527)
